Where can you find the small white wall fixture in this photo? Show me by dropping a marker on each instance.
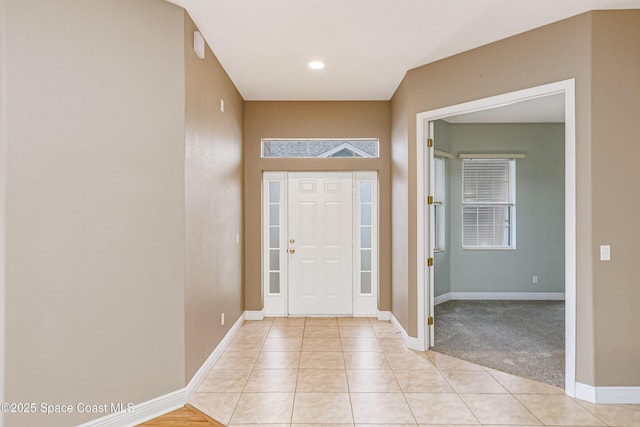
(566, 87)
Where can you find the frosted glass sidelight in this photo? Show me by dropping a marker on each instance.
(365, 259)
(365, 214)
(365, 237)
(365, 192)
(274, 192)
(274, 259)
(274, 282)
(274, 214)
(274, 237)
(365, 283)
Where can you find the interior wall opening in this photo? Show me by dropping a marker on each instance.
(510, 303)
(499, 259)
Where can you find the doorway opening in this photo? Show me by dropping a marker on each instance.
(320, 243)
(426, 215)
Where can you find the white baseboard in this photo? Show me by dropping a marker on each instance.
(169, 402)
(411, 342)
(608, 395)
(142, 412)
(199, 377)
(384, 315)
(538, 296)
(585, 392)
(442, 298)
(254, 315)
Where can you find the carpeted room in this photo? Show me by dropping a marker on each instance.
(502, 306)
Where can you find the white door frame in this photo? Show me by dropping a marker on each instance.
(566, 87)
(277, 304)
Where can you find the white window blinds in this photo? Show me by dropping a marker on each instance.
(488, 203)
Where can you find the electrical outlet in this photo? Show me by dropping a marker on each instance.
(534, 279)
(222, 319)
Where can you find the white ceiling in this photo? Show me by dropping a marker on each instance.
(547, 109)
(367, 45)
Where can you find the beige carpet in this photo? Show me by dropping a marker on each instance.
(524, 338)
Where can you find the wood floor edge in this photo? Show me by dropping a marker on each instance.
(213, 421)
(185, 416)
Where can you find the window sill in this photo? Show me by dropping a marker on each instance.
(486, 248)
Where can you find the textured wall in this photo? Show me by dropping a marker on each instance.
(615, 174)
(213, 183)
(598, 49)
(94, 203)
(539, 210)
(348, 119)
(401, 302)
(548, 54)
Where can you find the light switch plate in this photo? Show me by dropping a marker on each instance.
(605, 253)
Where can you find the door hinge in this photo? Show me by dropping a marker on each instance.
(430, 200)
(430, 142)
(430, 321)
(430, 262)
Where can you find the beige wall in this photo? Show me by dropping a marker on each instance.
(555, 52)
(3, 192)
(94, 203)
(347, 119)
(108, 277)
(614, 172)
(400, 289)
(214, 267)
(552, 53)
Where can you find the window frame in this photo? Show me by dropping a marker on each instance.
(511, 204)
(439, 205)
(341, 144)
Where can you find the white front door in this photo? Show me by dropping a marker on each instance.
(320, 230)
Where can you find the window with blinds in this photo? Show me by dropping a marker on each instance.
(488, 203)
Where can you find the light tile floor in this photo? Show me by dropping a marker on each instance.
(346, 372)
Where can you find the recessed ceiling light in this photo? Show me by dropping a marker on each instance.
(316, 65)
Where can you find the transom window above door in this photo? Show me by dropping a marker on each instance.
(313, 148)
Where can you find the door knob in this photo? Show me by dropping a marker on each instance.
(292, 251)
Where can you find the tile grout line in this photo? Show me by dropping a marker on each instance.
(587, 409)
(513, 395)
(454, 390)
(253, 367)
(295, 389)
(243, 387)
(393, 371)
(591, 412)
(344, 361)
